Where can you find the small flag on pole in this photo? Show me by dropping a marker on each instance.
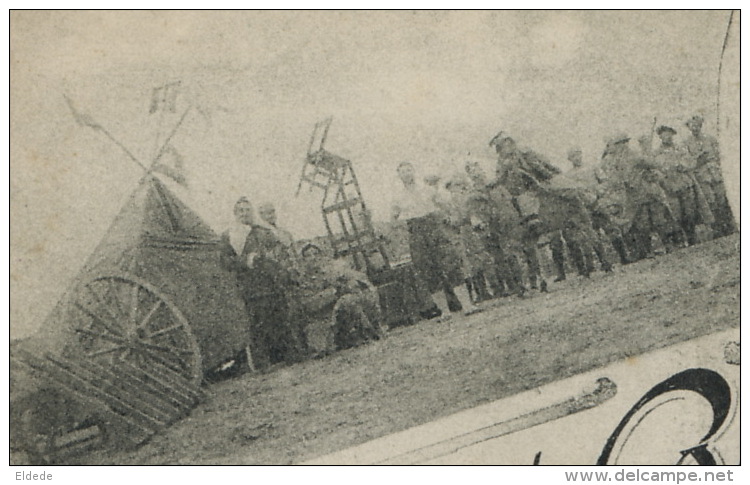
(164, 98)
(171, 164)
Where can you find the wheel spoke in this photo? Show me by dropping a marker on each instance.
(150, 314)
(126, 319)
(113, 290)
(97, 319)
(133, 305)
(105, 351)
(111, 338)
(172, 351)
(165, 330)
(106, 307)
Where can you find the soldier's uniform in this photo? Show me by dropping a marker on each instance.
(639, 178)
(474, 256)
(582, 183)
(652, 212)
(684, 195)
(703, 151)
(496, 219)
(340, 297)
(522, 172)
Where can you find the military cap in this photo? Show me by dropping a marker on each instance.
(664, 128)
(697, 119)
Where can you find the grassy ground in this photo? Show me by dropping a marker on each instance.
(430, 370)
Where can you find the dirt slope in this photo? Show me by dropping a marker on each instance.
(432, 369)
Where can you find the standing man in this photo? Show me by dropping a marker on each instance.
(520, 173)
(704, 152)
(428, 244)
(683, 193)
(286, 254)
(640, 178)
(247, 251)
(585, 182)
(495, 215)
(474, 257)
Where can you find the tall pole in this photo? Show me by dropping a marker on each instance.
(721, 64)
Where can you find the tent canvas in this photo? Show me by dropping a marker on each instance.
(160, 241)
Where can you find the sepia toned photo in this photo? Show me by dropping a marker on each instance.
(375, 237)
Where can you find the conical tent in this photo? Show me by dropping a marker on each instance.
(154, 289)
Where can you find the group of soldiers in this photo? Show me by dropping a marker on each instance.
(485, 234)
(473, 237)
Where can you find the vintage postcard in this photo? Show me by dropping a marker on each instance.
(375, 237)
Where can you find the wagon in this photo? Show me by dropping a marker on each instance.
(124, 352)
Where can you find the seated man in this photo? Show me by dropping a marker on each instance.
(344, 299)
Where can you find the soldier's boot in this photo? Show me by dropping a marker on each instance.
(454, 304)
(480, 286)
(641, 245)
(690, 234)
(532, 263)
(579, 259)
(588, 258)
(502, 289)
(543, 286)
(673, 240)
(558, 258)
(470, 288)
(619, 245)
(601, 255)
(515, 282)
(495, 284)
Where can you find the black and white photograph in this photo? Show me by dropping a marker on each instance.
(375, 237)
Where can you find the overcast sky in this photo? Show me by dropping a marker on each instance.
(430, 87)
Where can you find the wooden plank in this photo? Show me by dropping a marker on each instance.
(164, 391)
(183, 394)
(87, 388)
(124, 388)
(136, 432)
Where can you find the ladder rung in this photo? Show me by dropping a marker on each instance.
(342, 205)
(314, 182)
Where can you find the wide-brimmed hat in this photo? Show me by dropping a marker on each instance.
(457, 179)
(617, 139)
(500, 137)
(664, 128)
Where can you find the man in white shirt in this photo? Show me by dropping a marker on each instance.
(428, 244)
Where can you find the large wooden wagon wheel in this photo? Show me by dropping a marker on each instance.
(123, 318)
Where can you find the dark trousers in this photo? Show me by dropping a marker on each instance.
(429, 254)
(653, 217)
(271, 338)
